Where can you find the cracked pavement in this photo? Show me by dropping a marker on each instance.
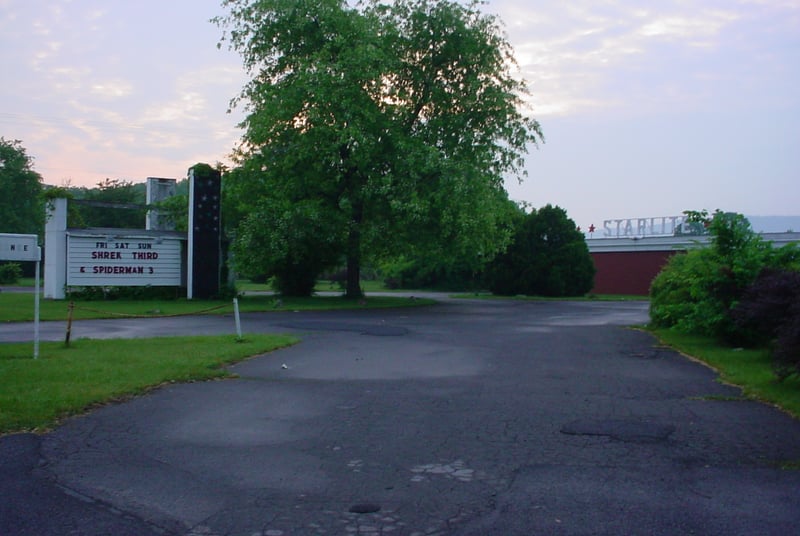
(465, 418)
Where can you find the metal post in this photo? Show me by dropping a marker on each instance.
(36, 292)
(236, 316)
(69, 322)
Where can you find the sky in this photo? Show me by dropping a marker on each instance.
(648, 108)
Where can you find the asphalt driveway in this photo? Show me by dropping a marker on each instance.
(464, 418)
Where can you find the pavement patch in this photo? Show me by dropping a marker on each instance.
(365, 508)
(628, 431)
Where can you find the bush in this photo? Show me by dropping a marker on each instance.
(695, 292)
(427, 274)
(125, 293)
(10, 273)
(681, 295)
(769, 313)
(548, 256)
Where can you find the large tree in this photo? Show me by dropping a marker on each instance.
(21, 208)
(390, 126)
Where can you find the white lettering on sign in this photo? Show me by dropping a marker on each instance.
(123, 261)
(632, 227)
(19, 247)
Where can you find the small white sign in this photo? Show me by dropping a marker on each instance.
(19, 247)
(123, 261)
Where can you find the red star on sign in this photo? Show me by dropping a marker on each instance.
(591, 228)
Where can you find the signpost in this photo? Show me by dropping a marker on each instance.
(23, 247)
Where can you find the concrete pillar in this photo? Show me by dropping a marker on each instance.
(55, 249)
(159, 190)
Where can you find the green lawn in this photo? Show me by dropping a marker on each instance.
(19, 307)
(747, 368)
(245, 286)
(36, 393)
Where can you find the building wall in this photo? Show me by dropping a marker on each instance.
(627, 272)
(628, 265)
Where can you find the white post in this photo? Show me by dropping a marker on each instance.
(36, 292)
(190, 240)
(55, 250)
(236, 315)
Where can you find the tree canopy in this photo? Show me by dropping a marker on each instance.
(373, 131)
(21, 208)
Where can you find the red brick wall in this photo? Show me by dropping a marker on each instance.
(627, 272)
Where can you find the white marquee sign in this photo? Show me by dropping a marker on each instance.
(127, 260)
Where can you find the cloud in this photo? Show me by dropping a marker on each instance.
(111, 89)
(572, 56)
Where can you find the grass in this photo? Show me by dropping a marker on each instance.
(37, 394)
(750, 369)
(18, 307)
(321, 286)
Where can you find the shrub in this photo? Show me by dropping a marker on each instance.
(548, 256)
(681, 295)
(10, 273)
(769, 313)
(125, 293)
(427, 273)
(695, 292)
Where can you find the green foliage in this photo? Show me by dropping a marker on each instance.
(125, 293)
(405, 273)
(21, 204)
(293, 242)
(10, 273)
(175, 210)
(548, 257)
(681, 295)
(74, 214)
(695, 292)
(201, 171)
(769, 312)
(392, 126)
(91, 212)
(696, 223)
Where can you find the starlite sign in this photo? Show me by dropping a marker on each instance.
(128, 260)
(640, 227)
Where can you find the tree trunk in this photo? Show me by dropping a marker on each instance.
(354, 264)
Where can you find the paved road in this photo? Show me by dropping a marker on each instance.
(465, 418)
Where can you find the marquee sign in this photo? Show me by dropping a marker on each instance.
(125, 260)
